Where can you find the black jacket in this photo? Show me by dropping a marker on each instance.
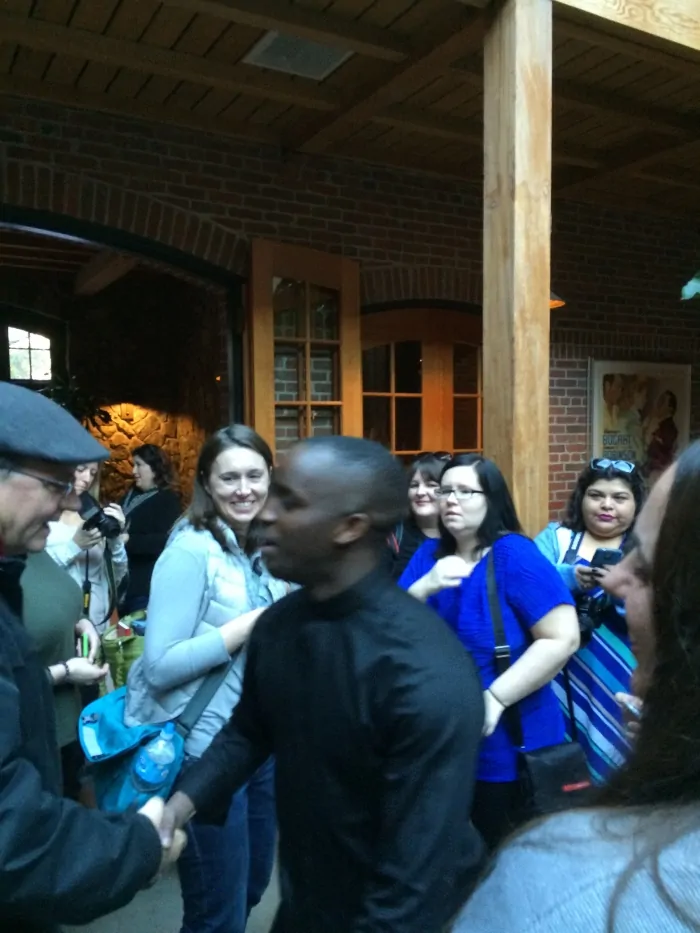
(149, 525)
(59, 862)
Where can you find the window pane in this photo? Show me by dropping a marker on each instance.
(466, 369)
(41, 364)
(407, 360)
(376, 414)
(289, 306)
(17, 338)
(376, 369)
(408, 424)
(37, 342)
(324, 376)
(325, 312)
(290, 380)
(19, 364)
(289, 426)
(466, 424)
(325, 421)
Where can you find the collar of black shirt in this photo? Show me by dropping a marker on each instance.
(356, 597)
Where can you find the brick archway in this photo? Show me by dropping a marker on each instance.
(107, 209)
(416, 283)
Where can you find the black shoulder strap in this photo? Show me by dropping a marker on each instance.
(187, 719)
(574, 545)
(503, 658)
(502, 649)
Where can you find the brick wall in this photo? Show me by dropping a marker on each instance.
(415, 236)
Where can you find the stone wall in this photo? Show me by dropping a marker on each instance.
(179, 435)
(150, 348)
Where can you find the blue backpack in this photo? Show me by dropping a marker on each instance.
(110, 746)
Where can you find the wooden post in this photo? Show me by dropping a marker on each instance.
(517, 228)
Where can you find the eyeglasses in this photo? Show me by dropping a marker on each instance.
(622, 466)
(461, 495)
(54, 485)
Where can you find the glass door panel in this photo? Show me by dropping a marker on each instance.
(302, 303)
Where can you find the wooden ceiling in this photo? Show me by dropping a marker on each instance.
(626, 114)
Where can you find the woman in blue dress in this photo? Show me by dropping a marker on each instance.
(601, 513)
(477, 515)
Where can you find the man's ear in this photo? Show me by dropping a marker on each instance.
(351, 529)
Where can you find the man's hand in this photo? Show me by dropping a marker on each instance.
(178, 811)
(83, 671)
(155, 811)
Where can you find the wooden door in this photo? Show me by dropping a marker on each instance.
(304, 358)
(421, 380)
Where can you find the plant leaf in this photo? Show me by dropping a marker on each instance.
(691, 288)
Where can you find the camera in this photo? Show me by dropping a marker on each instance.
(94, 516)
(591, 611)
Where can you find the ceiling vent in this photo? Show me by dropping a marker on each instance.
(295, 56)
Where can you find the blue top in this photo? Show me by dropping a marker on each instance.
(529, 587)
(554, 542)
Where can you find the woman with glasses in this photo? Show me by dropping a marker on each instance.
(422, 522)
(600, 516)
(477, 516)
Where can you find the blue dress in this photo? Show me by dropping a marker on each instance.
(529, 587)
(596, 673)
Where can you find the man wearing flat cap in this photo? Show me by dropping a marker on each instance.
(59, 862)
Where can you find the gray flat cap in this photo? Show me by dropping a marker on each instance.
(34, 427)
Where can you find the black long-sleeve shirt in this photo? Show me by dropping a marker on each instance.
(374, 713)
(149, 524)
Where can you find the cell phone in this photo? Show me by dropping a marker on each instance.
(85, 643)
(606, 557)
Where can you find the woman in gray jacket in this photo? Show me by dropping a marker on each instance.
(208, 589)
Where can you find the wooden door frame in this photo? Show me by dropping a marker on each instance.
(434, 329)
(268, 260)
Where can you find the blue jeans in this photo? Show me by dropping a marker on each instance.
(225, 870)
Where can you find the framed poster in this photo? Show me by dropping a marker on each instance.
(639, 412)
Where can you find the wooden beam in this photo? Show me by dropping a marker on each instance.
(102, 270)
(676, 21)
(153, 113)
(412, 74)
(641, 113)
(431, 123)
(632, 157)
(636, 51)
(595, 100)
(137, 56)
(517, 212)
(325, 28)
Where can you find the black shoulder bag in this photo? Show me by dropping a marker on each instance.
(552, 778)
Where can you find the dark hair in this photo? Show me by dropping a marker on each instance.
(202, 513)
(574, 510)
(374, 481)
(430, 465)
(501, 516)
(672, 400)
(664, 768)
(157, 459)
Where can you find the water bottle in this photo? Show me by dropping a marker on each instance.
(152, 766)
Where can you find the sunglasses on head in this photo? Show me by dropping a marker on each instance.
(622, 466)
(436, 455)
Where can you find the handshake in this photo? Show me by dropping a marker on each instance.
(168, 820)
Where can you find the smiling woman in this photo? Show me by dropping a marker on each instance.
(209, 587)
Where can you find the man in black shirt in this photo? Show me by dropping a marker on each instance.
(370, 705)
